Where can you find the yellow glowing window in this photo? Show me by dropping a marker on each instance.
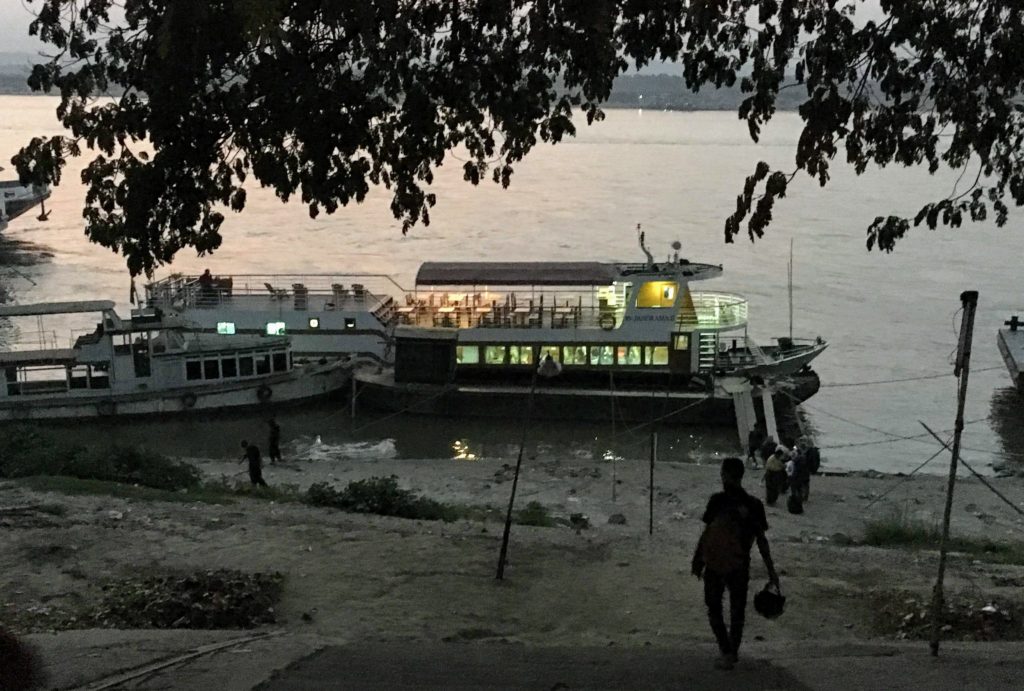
(602, 355)
(682, 342)
(552, 351)
(275, 328)
(494, 355)
(520, 355)
(467, 355)
(574, 355)
(226, 328)
(657, 294)
(628, 355)
(656, 355)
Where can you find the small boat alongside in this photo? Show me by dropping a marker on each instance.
(16, 199)
(149, 365)
(1011, 346)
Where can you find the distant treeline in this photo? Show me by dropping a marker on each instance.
(668, 92)
(660, 92)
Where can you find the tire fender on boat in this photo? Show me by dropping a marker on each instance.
(106, 408)
(607, 322)
(188, 400)
(264, 393)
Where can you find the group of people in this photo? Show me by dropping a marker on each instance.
(251, 453)
(787, 467)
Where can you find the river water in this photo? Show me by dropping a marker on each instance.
(887, 317)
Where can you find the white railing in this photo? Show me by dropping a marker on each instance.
(713, 310)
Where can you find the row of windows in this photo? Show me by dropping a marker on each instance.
(240, 366)
(595, 355)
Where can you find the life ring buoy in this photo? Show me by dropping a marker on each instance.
(607, 321)
(188, 400)
(264, 393)
(106, 408)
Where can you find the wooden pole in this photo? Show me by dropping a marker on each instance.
(515, 481)
(650, 493)
(969, 300)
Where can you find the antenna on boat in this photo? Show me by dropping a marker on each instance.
(676, 246)
(650, 258)
(790, 274)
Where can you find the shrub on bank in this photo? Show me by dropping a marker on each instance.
(381, 496)
(27, 451)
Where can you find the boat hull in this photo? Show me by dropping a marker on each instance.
(318, 381)
(1011, 347)
(378, 390)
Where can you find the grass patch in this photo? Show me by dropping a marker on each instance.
(27, 451)
(382, 496)
(78, 486)
(900, 530)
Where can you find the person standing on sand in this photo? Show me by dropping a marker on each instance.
(274, 442)
(733, 521)
(251, 453)
(775, 475)
(755, 440)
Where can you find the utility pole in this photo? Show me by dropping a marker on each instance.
(969, 300)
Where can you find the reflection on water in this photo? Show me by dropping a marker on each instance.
(1008, 423)
(320, 433)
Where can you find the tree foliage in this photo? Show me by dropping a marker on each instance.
(321, 99)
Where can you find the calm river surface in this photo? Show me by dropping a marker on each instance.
(886, 316)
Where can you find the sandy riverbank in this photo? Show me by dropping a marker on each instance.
(366, 577)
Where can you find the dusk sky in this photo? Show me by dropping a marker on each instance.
(15, 16)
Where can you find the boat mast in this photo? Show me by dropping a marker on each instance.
(790, 273)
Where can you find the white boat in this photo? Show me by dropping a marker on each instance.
(468, 337)
(149, 365)
(16, 199)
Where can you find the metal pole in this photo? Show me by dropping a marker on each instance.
(515, 481)
(654, 453)
(353, 411)
(969, 299)
(615, 462)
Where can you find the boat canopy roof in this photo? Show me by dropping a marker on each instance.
(57, 356)
(517, 273)
(42, 308)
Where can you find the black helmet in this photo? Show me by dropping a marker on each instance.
(769, 603)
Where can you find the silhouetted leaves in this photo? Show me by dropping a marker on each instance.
(323, 99)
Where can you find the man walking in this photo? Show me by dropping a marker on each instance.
(733, 520)
(251, 453)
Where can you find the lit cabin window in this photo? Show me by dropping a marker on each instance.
(602, 355)
(574, 355)
(553, 351)
(681, 342)
(657, 294)
(656, 355)
(494, 355)
(520, 355)
(275, 328)
(467, 355)
(226, 328)
(628, 355)
(314, 323)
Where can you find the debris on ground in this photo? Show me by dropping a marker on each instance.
(965, 618)
(223, 599)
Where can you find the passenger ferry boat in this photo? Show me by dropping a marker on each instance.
(1011, 346)
(631, 339)
(151, 365)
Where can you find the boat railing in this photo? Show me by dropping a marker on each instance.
(712, 311)
(316, 292)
